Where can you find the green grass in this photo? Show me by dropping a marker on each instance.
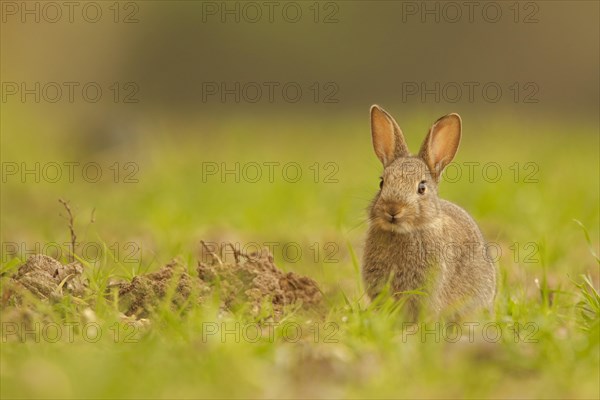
(546, 310)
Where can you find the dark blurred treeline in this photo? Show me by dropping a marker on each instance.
(176, 57)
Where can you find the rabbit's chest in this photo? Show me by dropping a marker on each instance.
(407, 261)
(415, 252)
(410, 256)
(415, 260)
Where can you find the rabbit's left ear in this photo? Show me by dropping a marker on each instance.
(388, 140)
(441, 144)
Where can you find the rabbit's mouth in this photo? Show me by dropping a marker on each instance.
(396, 223)
(401, 227)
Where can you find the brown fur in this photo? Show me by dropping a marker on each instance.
(418, 241)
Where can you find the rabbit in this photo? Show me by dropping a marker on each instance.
(417, 242)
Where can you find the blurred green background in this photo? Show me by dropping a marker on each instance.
(158, 65)
(170, 111)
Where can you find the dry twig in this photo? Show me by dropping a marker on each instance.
(71, 220)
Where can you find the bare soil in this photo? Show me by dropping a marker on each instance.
(46, 279)
(252, 283)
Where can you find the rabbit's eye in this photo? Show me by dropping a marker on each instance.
(380, 183)
(421, 188)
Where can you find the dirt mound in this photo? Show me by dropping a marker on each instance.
(251, 283)
(255, 282)
(46, 279)
(146, 292)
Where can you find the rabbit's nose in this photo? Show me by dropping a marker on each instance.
(392, 213)
(392, 217)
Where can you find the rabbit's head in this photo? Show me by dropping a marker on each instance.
(407, 199)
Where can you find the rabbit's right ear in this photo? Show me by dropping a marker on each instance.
(441, 143)
(388, 140)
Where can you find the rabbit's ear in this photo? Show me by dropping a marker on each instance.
(388, 140)
(441, 143)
